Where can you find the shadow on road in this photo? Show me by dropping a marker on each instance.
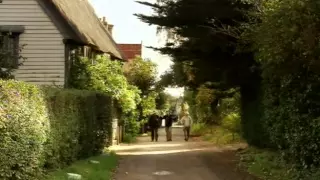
(178, 160)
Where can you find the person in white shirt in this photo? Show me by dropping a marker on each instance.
(186, 121)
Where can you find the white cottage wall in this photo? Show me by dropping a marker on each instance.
(44, 49)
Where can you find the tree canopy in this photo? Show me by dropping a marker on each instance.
(141, 73)
(203, 44)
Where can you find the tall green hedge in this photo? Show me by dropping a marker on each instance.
(286, 41)
(47, 128)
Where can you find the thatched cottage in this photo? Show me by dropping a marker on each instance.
(51, 31)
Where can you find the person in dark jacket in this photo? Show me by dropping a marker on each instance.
(168, 126)
(153, 124)
(169, 119)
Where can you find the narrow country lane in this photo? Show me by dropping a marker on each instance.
(177, 160)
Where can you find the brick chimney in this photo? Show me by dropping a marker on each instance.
(109, 27)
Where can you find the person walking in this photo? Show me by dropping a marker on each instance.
(153, 124)
(187, 122)
(168, 126)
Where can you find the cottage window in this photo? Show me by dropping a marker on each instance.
(9, 46)
(9, 50)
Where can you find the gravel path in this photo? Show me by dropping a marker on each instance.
(177, 160)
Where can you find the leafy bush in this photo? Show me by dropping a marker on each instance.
(131, 125)
(24, 128)
(232, 122)
(198, 129)
(107, 76)
(216, 134)
(129, 138)
(46, 128)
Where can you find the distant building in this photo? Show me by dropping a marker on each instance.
(130, 51)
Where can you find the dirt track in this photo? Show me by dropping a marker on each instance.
(177, 160)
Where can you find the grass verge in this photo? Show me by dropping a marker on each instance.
(215, 134)
(129, 138)
(267, 164)
(88, 170)
(264, 164)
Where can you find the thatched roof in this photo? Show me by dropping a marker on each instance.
(82, 19)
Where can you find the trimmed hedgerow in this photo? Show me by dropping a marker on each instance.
(47, 128)
(24, 126)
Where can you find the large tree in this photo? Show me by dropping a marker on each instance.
(141, 73)
(205, 36)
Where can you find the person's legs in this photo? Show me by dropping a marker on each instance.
(152, 134)
(188, 132)
(167, 133)
(156, 133)
(170, 133)
(185, 133)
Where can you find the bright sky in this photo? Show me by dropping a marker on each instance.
(129, 29)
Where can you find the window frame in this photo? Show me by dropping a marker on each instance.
(11, 37)
(11, 46)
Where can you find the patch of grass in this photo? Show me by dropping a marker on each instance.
(199, 129)
(129, 138)
(89, 171)
(227, 132)
(265, 164)
(221, 136)
(215, 134)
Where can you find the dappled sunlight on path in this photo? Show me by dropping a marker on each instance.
(177, 160)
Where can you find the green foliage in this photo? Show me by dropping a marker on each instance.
(107, 76)
(141, 73)
(216, 134)
(288, 51)
(266, 164)
(279, 86)
(131, 125)
(47, 128)
(165, 103)
(189, 97)
(198, 129)
(129, 138)
(148, 104)
(180, 74)
(232, 122)
(205, 99)
(24, 127)
(210, 106)
(203, 44)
